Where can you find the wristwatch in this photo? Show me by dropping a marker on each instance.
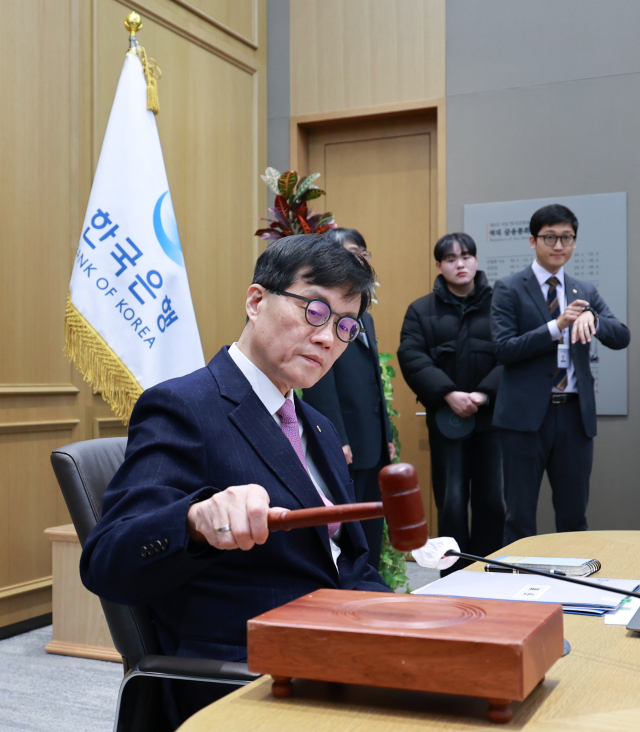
(595, 315)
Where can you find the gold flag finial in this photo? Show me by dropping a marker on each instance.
(133, 23)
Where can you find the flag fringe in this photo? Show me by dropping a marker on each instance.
(98, 364)
(151, 73)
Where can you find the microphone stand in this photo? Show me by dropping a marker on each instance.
(541, 573)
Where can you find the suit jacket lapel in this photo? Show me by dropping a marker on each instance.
(533, 288)
(573, 289)
(261, 430)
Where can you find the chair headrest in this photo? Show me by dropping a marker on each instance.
(84, 470)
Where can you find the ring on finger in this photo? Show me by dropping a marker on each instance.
(222, 529)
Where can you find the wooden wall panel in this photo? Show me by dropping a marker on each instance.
(363, 53)
(240, 16)
(29, 501)
(34, 206)
(57, 99)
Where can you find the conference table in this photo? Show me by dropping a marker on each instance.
(595, 688)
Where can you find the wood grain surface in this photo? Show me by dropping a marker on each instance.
(481, 647)
(596, 688)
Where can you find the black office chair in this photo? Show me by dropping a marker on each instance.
(83, 470)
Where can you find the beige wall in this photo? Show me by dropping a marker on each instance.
(362, 53)
(57, 94)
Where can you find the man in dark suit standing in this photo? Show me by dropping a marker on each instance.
(542, 321)
(351, 395)
(211, 454)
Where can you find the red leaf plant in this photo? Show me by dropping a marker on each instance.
(291, 212)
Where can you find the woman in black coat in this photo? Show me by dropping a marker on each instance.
(448, 359)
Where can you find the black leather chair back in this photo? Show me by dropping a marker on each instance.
(84, 470)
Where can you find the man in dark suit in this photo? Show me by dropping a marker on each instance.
(351, 396)
(542, 321)
(211, 454)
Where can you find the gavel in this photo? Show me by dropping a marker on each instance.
(401, 505)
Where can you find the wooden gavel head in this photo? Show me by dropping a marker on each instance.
(403, 507)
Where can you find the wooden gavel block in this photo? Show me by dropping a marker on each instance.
(484, 648)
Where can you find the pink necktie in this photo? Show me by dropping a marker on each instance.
(287, 414)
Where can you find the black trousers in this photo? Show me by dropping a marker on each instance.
(365, 484)
(469, 472)
(560, 447)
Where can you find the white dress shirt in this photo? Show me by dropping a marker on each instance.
(542, 275)
(272, 398)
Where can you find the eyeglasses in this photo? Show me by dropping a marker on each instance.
(318, 312)
(550, 240)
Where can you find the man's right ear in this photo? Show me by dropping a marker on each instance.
(256, 296)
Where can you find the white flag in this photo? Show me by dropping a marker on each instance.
(130, 321)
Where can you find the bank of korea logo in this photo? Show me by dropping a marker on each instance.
(166, 228)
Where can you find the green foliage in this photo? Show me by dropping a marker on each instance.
(393, 567)
(306, 183)
(271, 177)
(299, 393)
(287, 182)
(291, 212)
(388, 373)
(314, 192)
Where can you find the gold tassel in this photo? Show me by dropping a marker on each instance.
(99, 365)
(151, 73)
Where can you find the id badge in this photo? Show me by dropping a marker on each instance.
(563, 356)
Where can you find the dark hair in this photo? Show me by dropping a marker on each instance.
(550, 215)
(318, 261)
(444, 245)
(343, 236)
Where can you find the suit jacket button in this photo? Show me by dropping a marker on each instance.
(373, 379)
(151, 550)
(158, 545)
(143, 552)
(376, 410)
(165, 545)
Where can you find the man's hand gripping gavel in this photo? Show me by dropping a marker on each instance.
(245, 507)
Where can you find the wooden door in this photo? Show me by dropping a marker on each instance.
(380, 178)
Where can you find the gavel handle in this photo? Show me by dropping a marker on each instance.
(305, 517)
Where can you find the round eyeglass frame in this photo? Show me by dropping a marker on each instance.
(571, 237)
(354, 328)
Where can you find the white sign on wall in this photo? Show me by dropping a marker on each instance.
(501, 232)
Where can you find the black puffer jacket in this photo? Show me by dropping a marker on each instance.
(446, 345)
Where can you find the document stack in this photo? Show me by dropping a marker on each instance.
(575, 599)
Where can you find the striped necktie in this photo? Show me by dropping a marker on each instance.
(560, 378)
(289, 419)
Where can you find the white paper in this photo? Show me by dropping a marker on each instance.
(499, 586)
(623, 613)
(531, 592)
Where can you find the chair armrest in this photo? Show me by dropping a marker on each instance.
(194, 667)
